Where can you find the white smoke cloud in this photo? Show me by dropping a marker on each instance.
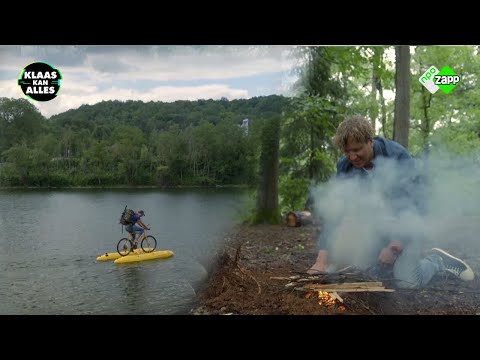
(357, 214)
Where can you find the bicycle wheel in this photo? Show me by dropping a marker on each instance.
(124, 247)
(149, 244)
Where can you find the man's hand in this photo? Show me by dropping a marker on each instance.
(321, 264)
(389, 254)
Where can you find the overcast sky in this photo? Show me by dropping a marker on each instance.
(166, 73)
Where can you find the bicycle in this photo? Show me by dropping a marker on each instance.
(126, 245)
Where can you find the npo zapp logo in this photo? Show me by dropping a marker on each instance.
(445, 80)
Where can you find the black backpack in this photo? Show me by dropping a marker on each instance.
(126, 217)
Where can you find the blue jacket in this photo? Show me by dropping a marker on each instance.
(408, 189)
(406, 193)
(381, 148)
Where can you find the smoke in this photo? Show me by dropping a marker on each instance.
(453, 217)
(435, 204)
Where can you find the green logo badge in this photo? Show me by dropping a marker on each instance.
(445, 80)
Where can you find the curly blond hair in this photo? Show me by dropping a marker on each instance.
(356, 127)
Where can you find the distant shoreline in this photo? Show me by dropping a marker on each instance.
(119, 187)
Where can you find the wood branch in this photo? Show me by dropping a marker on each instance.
(367, 286)
(251, 276)
(283, 278)
(342, 281)
(327, 279)
(348, 285)
(329, 290)
(259, 291)
(341, 271)
(335, 295)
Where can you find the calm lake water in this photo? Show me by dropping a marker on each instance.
(49, 242)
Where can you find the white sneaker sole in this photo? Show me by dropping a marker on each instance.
(465, 275)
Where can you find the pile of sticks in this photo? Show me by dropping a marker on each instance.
(342, 281)
(366, 286)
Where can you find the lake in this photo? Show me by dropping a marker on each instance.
(50, 240)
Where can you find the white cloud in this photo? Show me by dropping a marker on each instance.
(186, 63)
(92, 74)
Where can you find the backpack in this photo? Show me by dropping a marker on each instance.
(126, 217)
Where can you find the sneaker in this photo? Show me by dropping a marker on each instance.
(454, 265)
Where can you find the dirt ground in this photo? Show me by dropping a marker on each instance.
(257, 262)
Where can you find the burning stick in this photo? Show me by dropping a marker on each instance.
(336, 296)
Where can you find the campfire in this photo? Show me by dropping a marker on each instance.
(327, 286)
(326, 299)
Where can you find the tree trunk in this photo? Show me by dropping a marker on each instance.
(375, 77)
(267, 196)
(401, 125)
(426, 99)
(383, 107)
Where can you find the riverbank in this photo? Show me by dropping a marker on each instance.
(121, 187)
(247, 280)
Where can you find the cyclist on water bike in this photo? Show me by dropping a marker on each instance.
(132, 228)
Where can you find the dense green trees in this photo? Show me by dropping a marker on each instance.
(338, 81)
(201, 142)
(134, 143)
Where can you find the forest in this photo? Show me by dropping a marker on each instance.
(113, 143)
(286, 147)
